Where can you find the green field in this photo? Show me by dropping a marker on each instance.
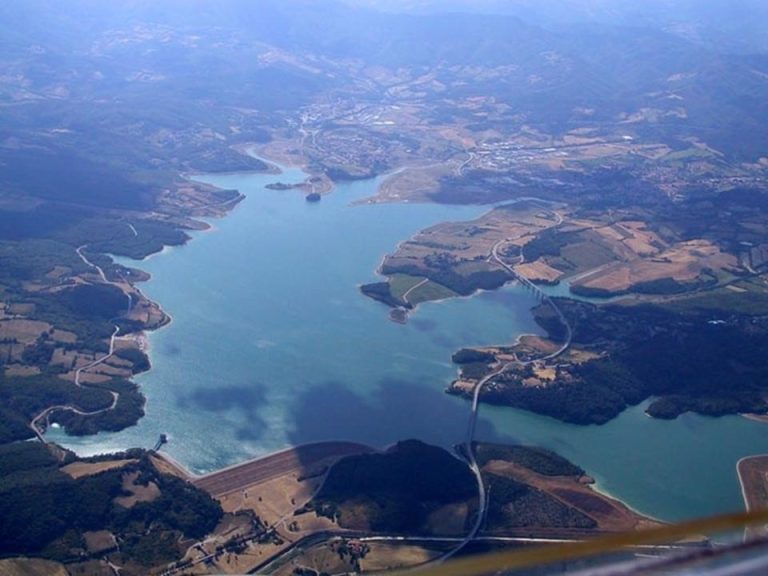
(399, 284)
(687, 154)
(430, 291)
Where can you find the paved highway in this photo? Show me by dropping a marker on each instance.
(469, 449)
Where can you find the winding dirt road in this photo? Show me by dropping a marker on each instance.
(43, 416)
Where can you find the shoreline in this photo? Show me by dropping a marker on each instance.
(247, 150)
(743, 482)
(488, 208)
(742, 485)
(752, 472)
(599, 489)
(180, 467)
(326, 185)
(140, 337)
(297, 450)
(762, 418)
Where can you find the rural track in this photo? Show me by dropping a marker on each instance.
(45, 414)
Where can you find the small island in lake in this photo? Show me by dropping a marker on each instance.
(313, 197)
(280, 186)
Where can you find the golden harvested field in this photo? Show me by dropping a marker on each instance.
(684, 262)
(286, 152)
(21, 370)
(539, 271)
(166, 466)
(62, 357)
(81, 469)
(612, 257)
(273, 499)
(86, 377)
(99, 541)
(20, 308)
(31, 567)
(470, 243)
(410, 184)
(26, 331)
(383, 556)
(108, 369)
(537, 344)
(64, 336)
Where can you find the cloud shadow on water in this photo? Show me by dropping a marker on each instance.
(508, 298)
(423, 324)
(245, 399)
(447, 341)
(170, 349)
(396, 411)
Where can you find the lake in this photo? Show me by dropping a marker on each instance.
(272, 345)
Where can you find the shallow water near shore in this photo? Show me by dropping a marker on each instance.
(273, 345)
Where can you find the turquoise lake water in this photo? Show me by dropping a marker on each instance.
(273, 345)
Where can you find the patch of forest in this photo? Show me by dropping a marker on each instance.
(397, 489)
(539, 460)
(45, 511)
(685, 361)
(23, 398)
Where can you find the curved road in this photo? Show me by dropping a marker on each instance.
(43, 416)
(407, 293)
(469, 450)
(47, 412)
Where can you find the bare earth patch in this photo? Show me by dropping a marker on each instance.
(684, 263)
(384, 556)
(537, 344)
(539, 271)
(31, 567)
(610, 515)
(138, 493)
(410, 184)
(81, 469)
(20, 308)
(21, 370)
(86, 377)
(167, 466)
(272, 488)
(26, 331)
(753, 476)
(64, 336)
(99, 542)
(380, 557)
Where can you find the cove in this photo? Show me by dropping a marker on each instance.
(273, 345)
